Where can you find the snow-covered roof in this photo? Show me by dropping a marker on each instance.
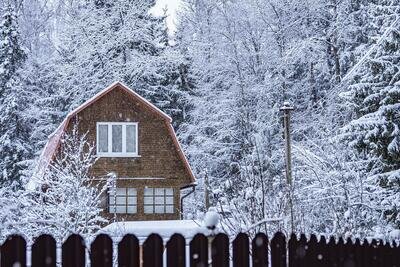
(49, 151)
(166, 228)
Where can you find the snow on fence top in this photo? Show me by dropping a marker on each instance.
(165, 229)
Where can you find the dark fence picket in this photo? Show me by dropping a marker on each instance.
(302, 251)
(331, 247)
(278, 250)
(292, 250)
(396, 248)
(311, 253)
(240, 251)
(373, 250)
(176, 251)
(395, 255)
(73, 252)
(259, 247)
(153, 251)
(387, 252)
(349, 253)
(358, 253)
(322, 252)
(44, 252)
(13, 252)
(381, 253)
(340, 251)
(199, 251)
(101, 251)
(366, 254)
(220, 251)
(128, 251)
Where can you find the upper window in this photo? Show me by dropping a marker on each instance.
(117, 139)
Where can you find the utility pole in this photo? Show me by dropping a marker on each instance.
(287, 108)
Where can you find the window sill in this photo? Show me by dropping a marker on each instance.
(117, 156)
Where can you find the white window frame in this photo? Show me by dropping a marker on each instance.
(109, 129)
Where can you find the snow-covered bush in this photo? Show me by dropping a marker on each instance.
(67, 200)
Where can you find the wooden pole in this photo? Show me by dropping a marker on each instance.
(206, 192)
(287, 108)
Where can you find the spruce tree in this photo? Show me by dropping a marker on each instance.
(375, 96)
(13, 127)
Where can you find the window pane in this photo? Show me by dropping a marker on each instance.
(121, 200)
(132, 200)
(132, 209)
(121, 191)
(112, 199)
(159, 209)
(159, 200)
(148, 200)
(132, 192)
(169, 209)
(169, 191)
(116, 138)
(148, 191)
(159, 191)
(103, 138)
(148, 209)
(169, 200)
(111, 209)
(131, 138)
(121, 209)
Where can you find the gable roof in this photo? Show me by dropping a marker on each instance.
(49, 151)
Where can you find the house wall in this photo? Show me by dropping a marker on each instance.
(158, 156)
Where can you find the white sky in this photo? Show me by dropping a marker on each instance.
(172, 6)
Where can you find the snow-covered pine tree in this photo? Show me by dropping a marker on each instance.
(14, 129)
(11, 53)
(375, 97)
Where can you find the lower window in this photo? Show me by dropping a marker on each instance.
(158, 200)
(123, 200)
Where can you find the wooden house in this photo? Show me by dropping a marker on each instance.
(136, 141)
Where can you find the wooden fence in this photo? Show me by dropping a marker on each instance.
(203, 251)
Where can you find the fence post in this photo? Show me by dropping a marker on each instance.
(101, 251)
(44, 252)
(220, 251)
(259, 248)
(13, 252)
(176, 250)
(128, 251)
(73, 252)
(278, 250)
(153, 251)
(241, 251)
(199, 251)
